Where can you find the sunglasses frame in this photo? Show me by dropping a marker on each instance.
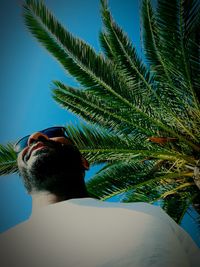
(45, 131)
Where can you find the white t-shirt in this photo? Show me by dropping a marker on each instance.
(91, 233)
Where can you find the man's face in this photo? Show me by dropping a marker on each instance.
(49, 163)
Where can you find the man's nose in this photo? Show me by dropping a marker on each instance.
(37, 137)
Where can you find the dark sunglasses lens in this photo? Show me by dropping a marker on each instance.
(54, 132)
(21, 144)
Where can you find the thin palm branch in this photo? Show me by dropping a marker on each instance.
(8, 160)
(182, 16)
(149, 183)
(154, 54)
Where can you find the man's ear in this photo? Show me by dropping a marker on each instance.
(85, 163)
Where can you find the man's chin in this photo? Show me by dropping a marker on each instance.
(42, 162)
(35, 159)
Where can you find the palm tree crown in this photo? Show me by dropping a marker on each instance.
(144, 116)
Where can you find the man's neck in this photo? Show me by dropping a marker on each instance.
(44, 198)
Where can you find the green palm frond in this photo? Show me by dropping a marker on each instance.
(191, 17)
(151, 189)
(96, 110)
(99, 145)
(175, 197)
(120, 177)
(177, 21)
(177, 205)
(8, 160)
(78, 58)
(150, 37)
(119, 48)
(160, 34)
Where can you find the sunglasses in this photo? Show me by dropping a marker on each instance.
(49, 132)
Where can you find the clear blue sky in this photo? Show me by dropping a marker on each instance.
(25, 85)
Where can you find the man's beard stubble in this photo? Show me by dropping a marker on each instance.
(53, 169)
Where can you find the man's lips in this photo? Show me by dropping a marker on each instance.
(29, 150)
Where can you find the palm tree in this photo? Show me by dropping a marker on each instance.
(142, 116)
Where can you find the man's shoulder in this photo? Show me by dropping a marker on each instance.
(140, 207)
